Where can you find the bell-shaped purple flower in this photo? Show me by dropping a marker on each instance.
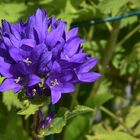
(59, 81)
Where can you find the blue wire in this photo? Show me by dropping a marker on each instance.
(109, 19)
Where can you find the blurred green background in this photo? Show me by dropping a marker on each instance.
(115, 97)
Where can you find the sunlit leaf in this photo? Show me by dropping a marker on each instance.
(79, 109)
(111, 136)
(31, 106)
(133, 116)
(10, 99)
(112, 6)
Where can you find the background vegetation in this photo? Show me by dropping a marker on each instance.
(115, 98)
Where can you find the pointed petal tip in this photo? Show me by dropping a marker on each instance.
(8, 84)
(89, 76)
(55, 96)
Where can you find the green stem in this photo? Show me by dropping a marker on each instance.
(35, 127)
(109, 50)
(110, 47)
(129, 35)
(74, 97)
(111, 114)
(51, 137)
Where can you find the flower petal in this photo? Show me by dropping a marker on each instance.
(72, 46)
(33, 79)
(4, 68)
(54, 36)
(56, 68)
(55, 95)
(67, 87)
(88, 76)
(78, 58)
(73, 32)
(15, 54)
(88, 65)
(8, 84)
(28, 42)
(6, 26)
(17, 89)
(7, 41)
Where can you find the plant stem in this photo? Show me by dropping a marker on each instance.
(74, 97)
(110, 47)
(129, 35)
(51, 137)
(109, 50)
(111, 114)
(35, 127)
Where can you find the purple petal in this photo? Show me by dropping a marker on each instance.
(88, 77)
(19, 68)
(38, 18)
(33, 79)
(37, 35)
(67, 87)
(15, 31)
(4, 68)
(8, 84)
(67, 76)
(57, 50)
(14, 40)
(55, 95)
(88, 65)
(28, 42)
(73, 32)
(45, 27)
(56, 68)
(79, 58)
(7, 41)
(72, 46)
(17, 89)
(15, 54)
(54, 36)
(6, 26)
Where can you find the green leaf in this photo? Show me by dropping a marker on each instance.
(99, 127)
(1, 79)
(100, 99)
(30, 109)
(111, 136)
(103, 95)
(135, 4)
(79, 109)
(112, 6)
(9, 14)
(130, 63)
(13, 129)
(77, 127)
(10, 99)
(57, 123)
(86, 12)
(61, 119)
(128, 21)
(32, 105)
(133, 116)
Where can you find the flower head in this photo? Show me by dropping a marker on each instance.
(42, 55)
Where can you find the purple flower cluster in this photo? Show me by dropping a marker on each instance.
(41, 55)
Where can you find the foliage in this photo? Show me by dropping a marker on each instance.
(117, 45)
